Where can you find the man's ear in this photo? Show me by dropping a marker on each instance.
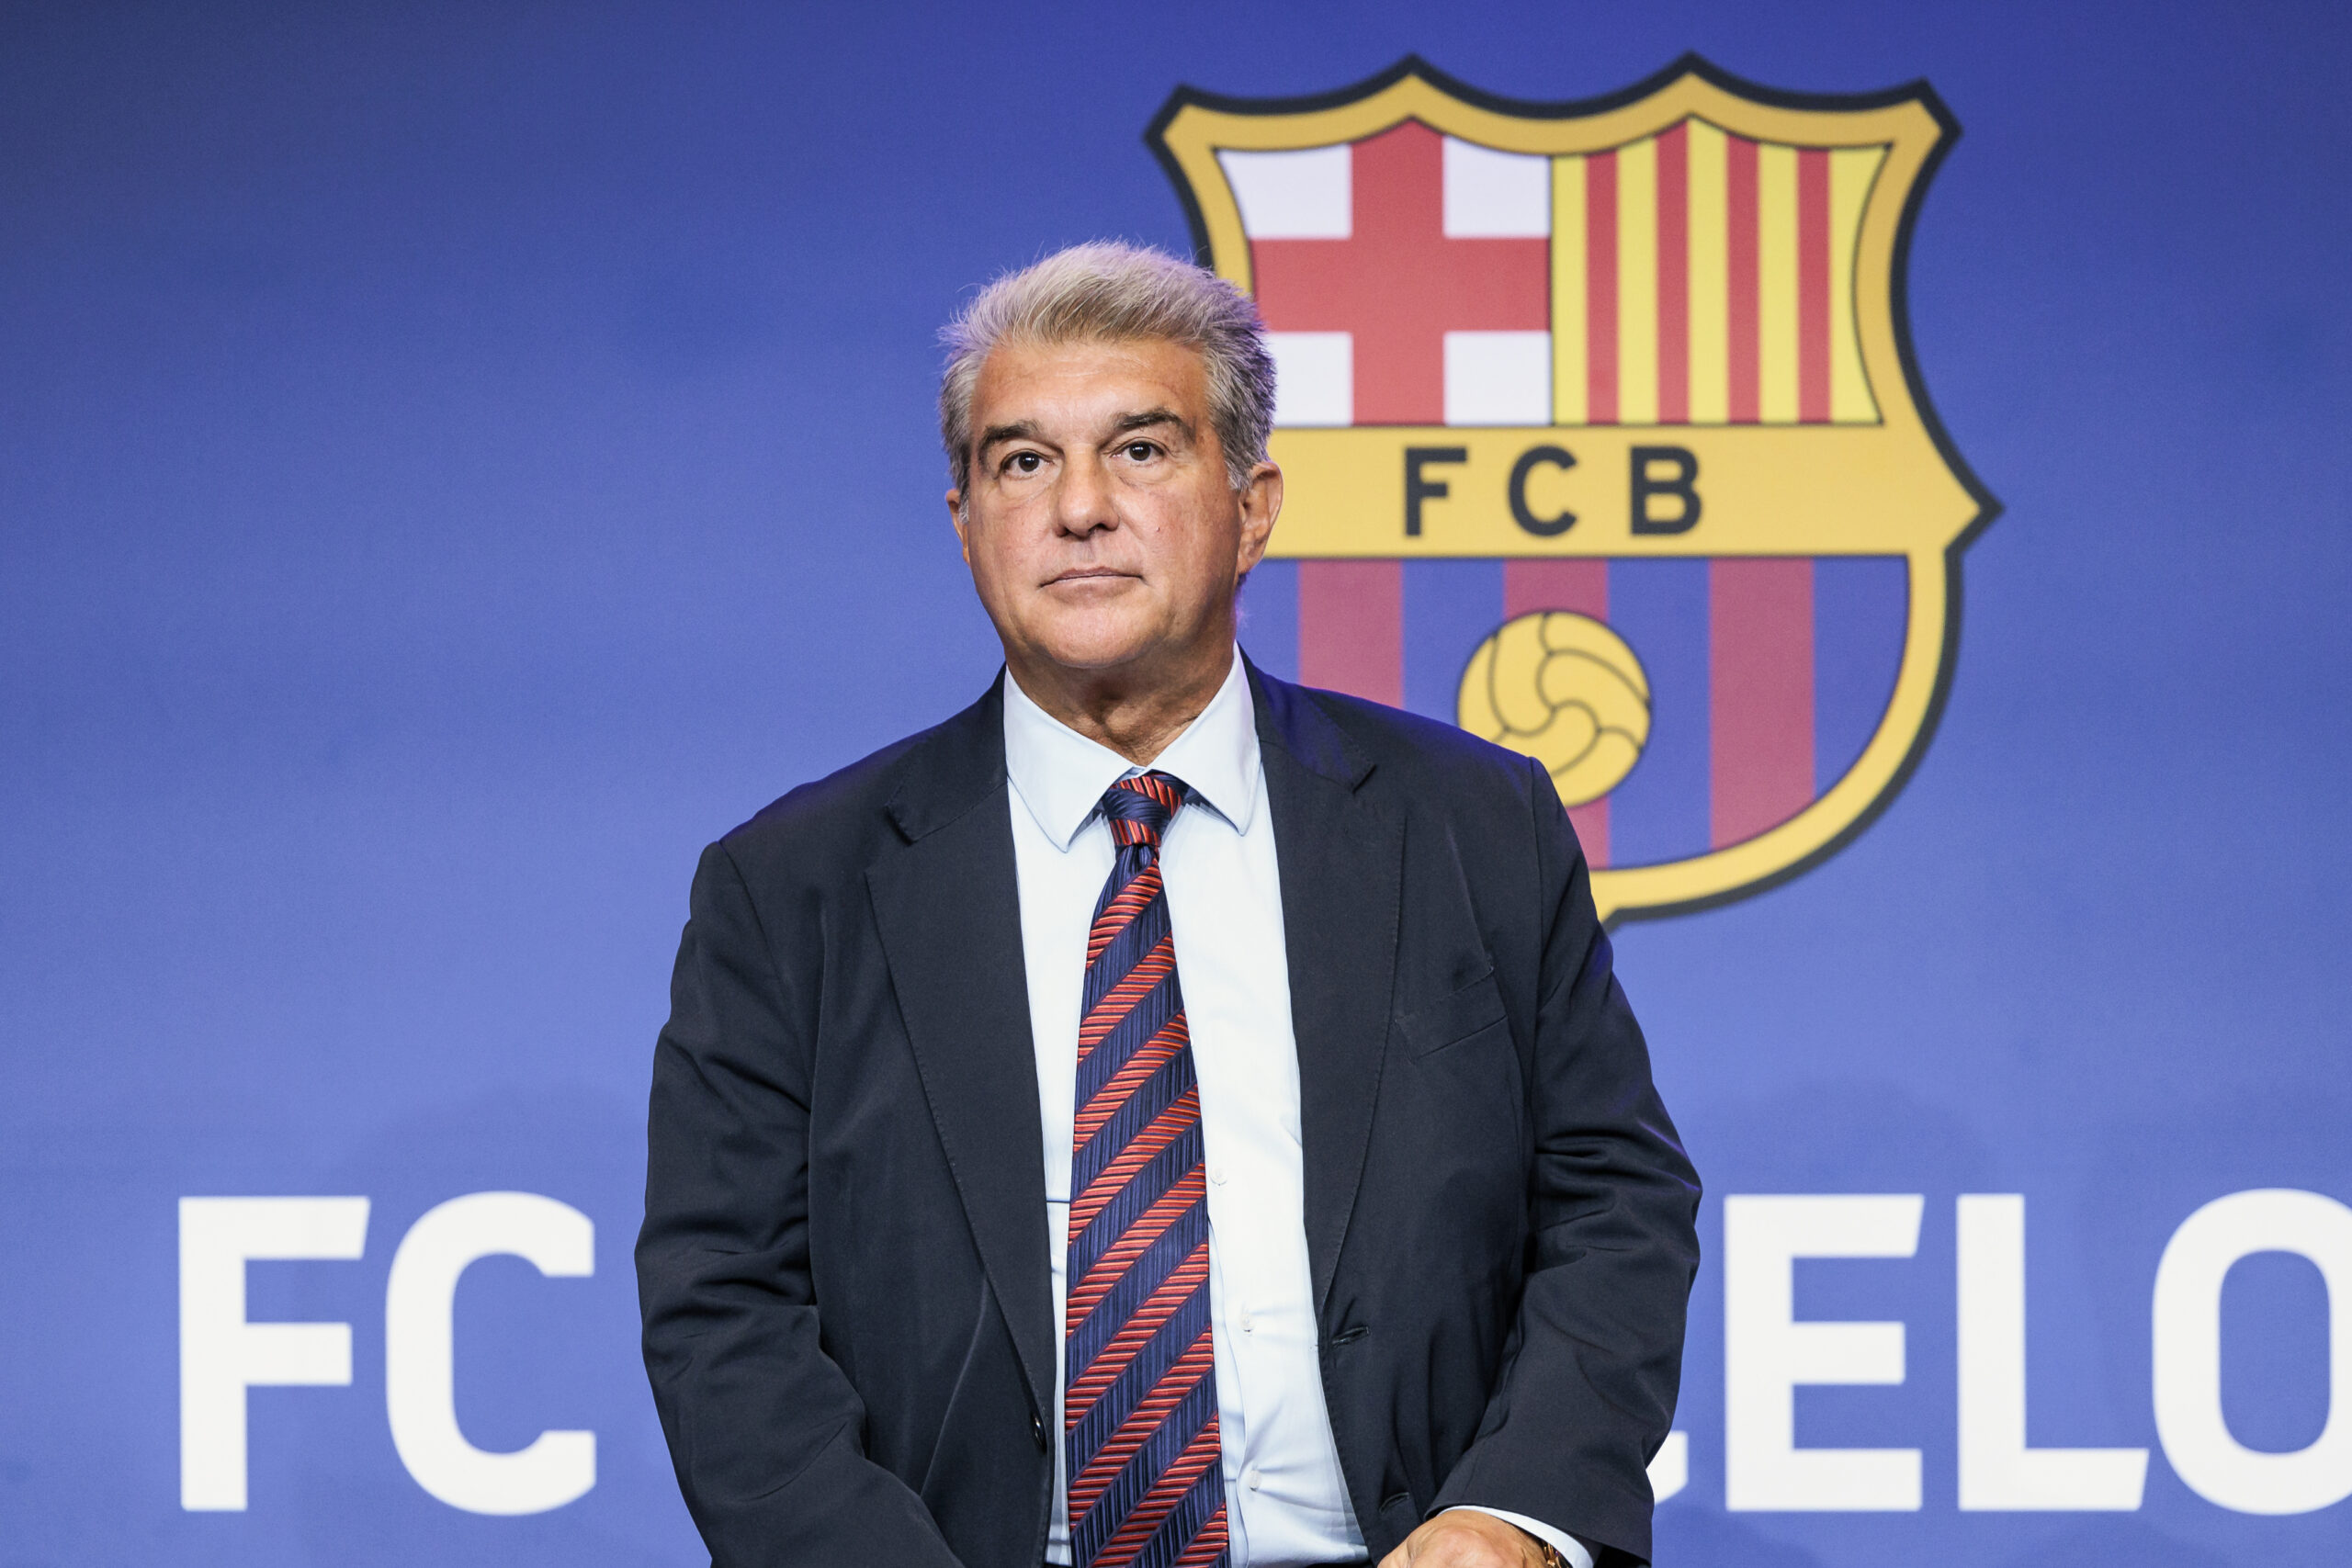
(1261, 503)
(956, 519)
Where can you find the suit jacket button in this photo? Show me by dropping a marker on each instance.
(1037, 1428)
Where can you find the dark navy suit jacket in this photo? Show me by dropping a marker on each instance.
(847, 1307)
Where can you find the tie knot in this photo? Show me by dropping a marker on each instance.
(1140, 808)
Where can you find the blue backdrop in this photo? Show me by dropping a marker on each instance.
(455, 459)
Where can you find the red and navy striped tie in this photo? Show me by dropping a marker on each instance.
(1139, 1412)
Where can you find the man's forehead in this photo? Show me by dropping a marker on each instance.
(1094, 378)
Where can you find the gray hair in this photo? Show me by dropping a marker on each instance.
(1108, 291)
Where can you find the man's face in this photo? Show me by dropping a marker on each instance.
(1102, 531)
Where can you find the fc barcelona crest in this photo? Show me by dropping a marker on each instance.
(1605, 442)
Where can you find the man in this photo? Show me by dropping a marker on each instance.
(1162, 1114)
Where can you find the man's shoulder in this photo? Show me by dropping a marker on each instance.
(1436, 762)
(847, 801)
(842, 820)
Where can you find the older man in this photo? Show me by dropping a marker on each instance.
(1161, 1115)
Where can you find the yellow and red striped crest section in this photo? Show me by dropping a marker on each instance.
(1704, 278)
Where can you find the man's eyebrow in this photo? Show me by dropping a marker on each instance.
(1145, 418)
(1019, 430)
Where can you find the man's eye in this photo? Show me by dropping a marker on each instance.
(1024, 463)
(1141, 451)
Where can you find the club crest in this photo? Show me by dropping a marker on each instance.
(1605, 442)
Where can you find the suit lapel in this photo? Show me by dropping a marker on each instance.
(948, 907)
(1342, 865)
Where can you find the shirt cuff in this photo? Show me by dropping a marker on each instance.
(1561, 1541)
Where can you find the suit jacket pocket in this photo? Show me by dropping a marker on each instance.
(1466, 1013)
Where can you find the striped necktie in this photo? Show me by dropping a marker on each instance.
(1139, 1412)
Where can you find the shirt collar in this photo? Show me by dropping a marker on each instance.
(1061, 774)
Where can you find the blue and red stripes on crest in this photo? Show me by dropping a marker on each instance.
(1768, 677)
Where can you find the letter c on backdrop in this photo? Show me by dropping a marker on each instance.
(420, 1392)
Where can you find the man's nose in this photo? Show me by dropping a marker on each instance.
(1082, 500)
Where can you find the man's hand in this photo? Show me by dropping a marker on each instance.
(1464, 1538)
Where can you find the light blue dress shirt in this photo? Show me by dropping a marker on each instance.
(1286, 1500)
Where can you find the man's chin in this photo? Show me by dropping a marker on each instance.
(1142, 646)
(1097, 655)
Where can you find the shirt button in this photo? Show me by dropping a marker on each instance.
(1216, 1174)
(1250, 1478)
(1249, 1324)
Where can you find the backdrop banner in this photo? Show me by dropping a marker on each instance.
(457, 460)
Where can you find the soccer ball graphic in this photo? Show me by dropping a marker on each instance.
(1566, 691)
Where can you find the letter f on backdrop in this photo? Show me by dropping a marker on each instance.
(221, 1355)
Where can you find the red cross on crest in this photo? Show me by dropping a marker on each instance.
(1398, 283)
